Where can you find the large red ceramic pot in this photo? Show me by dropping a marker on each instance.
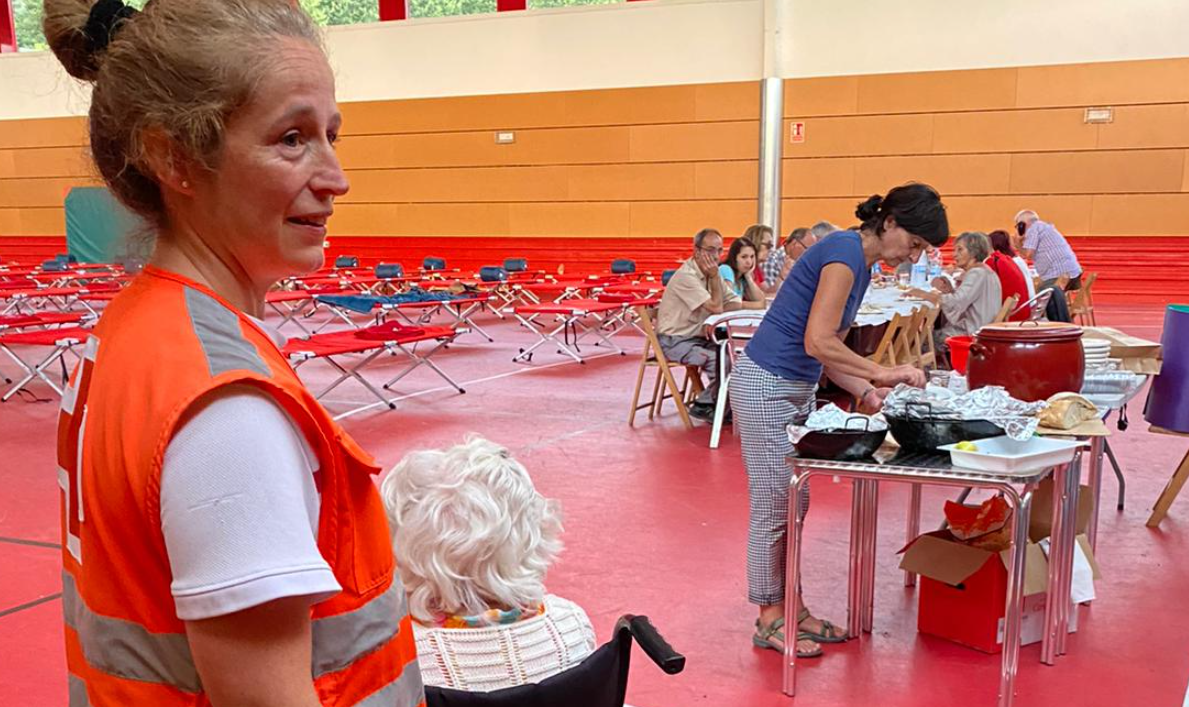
(1032, 360)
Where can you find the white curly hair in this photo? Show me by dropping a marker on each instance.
(469, 530)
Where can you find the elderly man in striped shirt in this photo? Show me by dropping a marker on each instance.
(1043, 244)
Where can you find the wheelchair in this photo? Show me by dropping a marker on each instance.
(601, 680)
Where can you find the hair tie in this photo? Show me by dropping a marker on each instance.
(105, 20)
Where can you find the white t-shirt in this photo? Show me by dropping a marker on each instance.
(239, 507)
(1023, 266)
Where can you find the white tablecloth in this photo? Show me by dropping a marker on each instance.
(887, 299)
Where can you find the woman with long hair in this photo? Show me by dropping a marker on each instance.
(738, 270)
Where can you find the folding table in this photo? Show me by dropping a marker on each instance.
(918, 469)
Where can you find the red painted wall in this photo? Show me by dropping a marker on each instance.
(1131, 269)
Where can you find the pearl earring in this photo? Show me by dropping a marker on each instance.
(185, 184)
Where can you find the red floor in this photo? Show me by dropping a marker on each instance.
(656, 525)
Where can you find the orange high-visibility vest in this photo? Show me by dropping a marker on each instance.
(161, 345)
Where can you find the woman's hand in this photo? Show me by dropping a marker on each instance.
(905, 373)
(872, 400)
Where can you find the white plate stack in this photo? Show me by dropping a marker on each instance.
(1097, 352)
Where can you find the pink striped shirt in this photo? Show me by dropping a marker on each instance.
(1051, 252)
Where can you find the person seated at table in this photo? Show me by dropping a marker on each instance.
(976, 299)
(767, 271)
(1011, 280)
(775, 383)
(473, 541)
(697, 291)
(738, 269)
(1001, 242)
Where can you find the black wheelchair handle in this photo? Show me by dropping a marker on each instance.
(654, 645)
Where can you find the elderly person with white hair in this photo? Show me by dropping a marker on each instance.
(473, 540)
(978, 296)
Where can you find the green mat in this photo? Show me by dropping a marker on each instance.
(99, 229)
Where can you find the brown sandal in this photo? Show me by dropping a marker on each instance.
(763, 639)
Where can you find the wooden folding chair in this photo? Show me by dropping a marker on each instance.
(908, 345)
(1009, 305)
(654, 357)
(928, 352)
(885, 353)
(1036, 306)
(1082, 308)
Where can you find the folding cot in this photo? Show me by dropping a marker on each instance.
(292, 304)
(462, 309)
(568, 315)
(60, 342)
(367, 345)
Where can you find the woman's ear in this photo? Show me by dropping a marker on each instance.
(167, 163)
(889, 223)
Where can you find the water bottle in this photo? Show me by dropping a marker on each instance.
(920, 274)
(934, 264)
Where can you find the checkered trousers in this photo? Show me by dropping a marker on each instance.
(763, 404)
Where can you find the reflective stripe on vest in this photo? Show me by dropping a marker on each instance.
(342, 639)
(218, 330)
(78, 692)
(405, 690)
(129, 650)
(126, 649)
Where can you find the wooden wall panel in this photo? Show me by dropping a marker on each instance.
(727, 180)
(46, 132)
(738, 140)
(986, 89)
(32, 221)
(532, 147)
(1140, 214)
(833, 95)
(949, 174)
(569, 219)
(1146, 127)
(863, 135)
(632, 182)
(1107, 83)
(827, 176)
(727, 101)
(39, 162)
(1098, 172)
(451, 185)
(1013, 131)
(44, 193)
(685, 218)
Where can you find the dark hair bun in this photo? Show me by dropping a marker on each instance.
(869, 209)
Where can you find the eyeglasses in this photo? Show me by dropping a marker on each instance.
(714, 251)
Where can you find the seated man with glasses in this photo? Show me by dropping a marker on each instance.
(695, 292)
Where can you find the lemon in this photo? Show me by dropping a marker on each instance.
(966, 446)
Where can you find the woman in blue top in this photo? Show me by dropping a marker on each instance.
(738, 270)
(776, 377)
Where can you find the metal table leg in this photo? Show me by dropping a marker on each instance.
(871, 513)
(1069, 541)
(1110, 453)
(792, 581)
(913, 527)
(1048, 649)
(1015, 600)
(854, 599)
(1097, 448)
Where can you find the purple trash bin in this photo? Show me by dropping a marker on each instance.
(1168, 400)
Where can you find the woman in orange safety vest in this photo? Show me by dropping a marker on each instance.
(223, 541)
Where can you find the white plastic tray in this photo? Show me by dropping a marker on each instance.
(1005, 455)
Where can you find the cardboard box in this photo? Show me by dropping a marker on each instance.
(1138, 355)
(963, 589)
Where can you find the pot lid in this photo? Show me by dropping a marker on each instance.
(1038, 332)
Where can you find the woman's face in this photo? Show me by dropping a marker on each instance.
(745, 262)
(962, 256)
(899, 246)
(264, 208)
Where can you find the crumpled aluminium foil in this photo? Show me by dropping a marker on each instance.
(1017, 418)
(832, 417)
